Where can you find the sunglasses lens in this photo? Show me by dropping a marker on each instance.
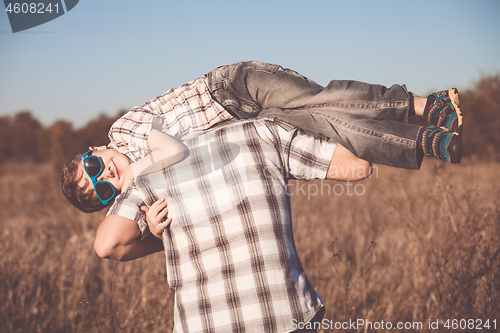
(104, 190)
(92, 166)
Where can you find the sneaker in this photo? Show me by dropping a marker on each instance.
(439, 142)
(443, 110)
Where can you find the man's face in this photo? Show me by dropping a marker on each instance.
(114, 165)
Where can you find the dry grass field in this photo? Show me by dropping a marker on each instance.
(402, 246)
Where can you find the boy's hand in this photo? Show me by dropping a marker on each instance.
(155, 215)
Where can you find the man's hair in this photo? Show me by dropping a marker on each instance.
(83, 198)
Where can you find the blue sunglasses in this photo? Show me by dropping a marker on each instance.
(93, 166)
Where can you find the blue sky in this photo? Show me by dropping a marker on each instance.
(106, 55)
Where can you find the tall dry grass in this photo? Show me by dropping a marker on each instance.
(52, 281)
(415, 246)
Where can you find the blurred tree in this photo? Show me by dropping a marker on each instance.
(23, 138)
(95, 132)
(481, 106)
(6, 135)
(26, 137)
(62, 143)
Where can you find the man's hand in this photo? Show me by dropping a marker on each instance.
(155, 216)
(346, 166)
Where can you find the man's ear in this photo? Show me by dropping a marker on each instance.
(98, 147)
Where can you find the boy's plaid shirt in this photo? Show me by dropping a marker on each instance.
(230, 254)
(177, 112)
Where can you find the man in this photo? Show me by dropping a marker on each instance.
(230, 253)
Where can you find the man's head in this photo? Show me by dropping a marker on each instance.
(78, 186)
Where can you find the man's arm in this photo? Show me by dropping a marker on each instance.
(307, 157)
(117, 238)
(346, 166)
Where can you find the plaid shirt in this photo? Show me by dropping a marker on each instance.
(229, 250)
(177, 112)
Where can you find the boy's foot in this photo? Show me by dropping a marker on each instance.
(441, 143)
(443, 110)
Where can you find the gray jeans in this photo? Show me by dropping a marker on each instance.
(369, 120)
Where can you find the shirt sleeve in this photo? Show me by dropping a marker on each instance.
(304, 156)
(129, 134)
(128, 204)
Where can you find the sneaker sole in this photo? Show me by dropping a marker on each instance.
(453, 94)
(455, 149)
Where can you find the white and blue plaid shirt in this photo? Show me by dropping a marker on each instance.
(230, 254)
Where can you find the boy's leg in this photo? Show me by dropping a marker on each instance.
(369, 120)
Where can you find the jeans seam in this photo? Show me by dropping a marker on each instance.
(261, 67)
(375, 105)
(234, 102)
(369, 133)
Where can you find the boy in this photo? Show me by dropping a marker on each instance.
(110, 171)
(370, 121)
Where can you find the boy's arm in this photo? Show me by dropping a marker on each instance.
(165, 151)
(118, 238)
